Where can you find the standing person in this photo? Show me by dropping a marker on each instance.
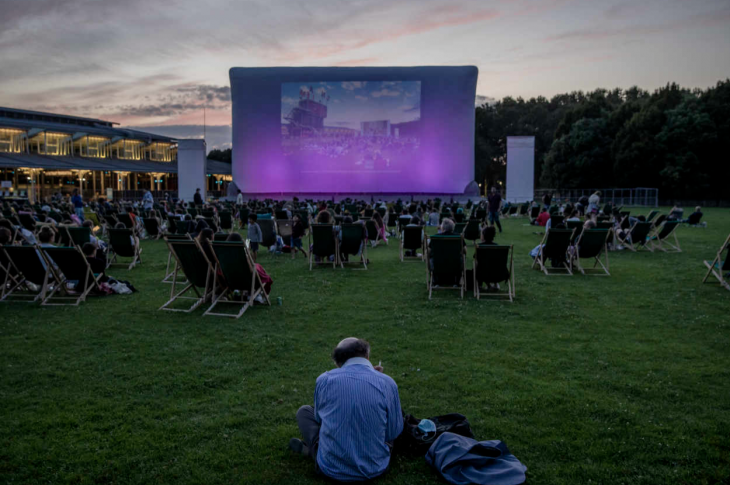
(147, 200)
(78, 203)
(197, 198)
(494, 204)
(297, 232)
(255, 236)
(582, 205)
(239, 198)
(594, 201)
(546, 200)
(356, 416)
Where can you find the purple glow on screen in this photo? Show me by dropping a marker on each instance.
(353, 130)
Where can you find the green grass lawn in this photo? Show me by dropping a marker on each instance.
(620, 380)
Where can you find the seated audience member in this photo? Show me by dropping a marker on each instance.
(415, 222)
(446, 229)
(380, 226)
(543, 218)
(574, 217)
(676, 213)
(695, 217)
(97, 242)
(433, 218)
(5, 236)
(356, 416)
(132, 238)
(488, 234)
(98, 265)
(45, 237)
(323, 217)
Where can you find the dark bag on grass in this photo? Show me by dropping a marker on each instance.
(465, 461)
(413, 441)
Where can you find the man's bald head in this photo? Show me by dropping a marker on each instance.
(349, 348)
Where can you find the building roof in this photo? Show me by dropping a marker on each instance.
(214, 167)
(26, 120)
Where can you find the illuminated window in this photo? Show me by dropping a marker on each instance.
(12, 141)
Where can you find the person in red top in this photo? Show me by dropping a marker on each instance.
(543, 218)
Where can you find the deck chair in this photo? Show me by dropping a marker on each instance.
(472, 231)
(237, 273)
(70, 265)
(412, 239)
(661, 238)
(24, 265)
(281, 214)
(324, 244)
(284, 228)
(720, 267)
(523, 210)
(403, 221)
(110, 220)
(513, 210)
(354, 242)
(556, 220)
(651, 215)
(392, 223)
(481, 214)
(79, 235)
(555, 246)
(211, 221)
(494, 264)
(169, 273)
(126, 219)
(660, 219)
(592, 244)
(152, 226)
(193, 212)
(183, 227)
(27, 221)
(191, 259)
(577, 226)
(459, 227)
(120, 245)
(636, 237)
(534, 212)
(268, 231)
(243, 217)
(446, 253)
(226, 221)
(93, 217)
(373, 235)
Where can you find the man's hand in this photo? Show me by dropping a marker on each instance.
(379, 367)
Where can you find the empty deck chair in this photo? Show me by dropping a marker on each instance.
(152, 226)
(494, 265)
(70, 265)
(720, 266)
(324, 244)
(191, 260)
(353, 243)
(555, 246)
(226, 221)
(268, 232)
(592, 244)
(446, 264)
(636, 238)
(28, 277)
(662, 236)
(239, 283)
(122, 243)
(412, 239)
(169, 271)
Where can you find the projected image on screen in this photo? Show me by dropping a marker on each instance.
(351, 126)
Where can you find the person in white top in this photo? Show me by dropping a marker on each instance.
(239, 198)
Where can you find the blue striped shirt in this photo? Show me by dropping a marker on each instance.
(359, 410)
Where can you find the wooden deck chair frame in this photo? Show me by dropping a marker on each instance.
(635, 246)
(363, 254)
(225, 295)
(170, 258)
(403, 249)
(664, 244)
(91, 281)
(312, 262)
(18, 282)
(461, 287)
(156, 221)
(111, 254)
(176, 295)
(595, 271)
(540, 258)
(511, 293)
(378, 238)
(716, 266)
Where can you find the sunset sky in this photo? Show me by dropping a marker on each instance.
(153, 63)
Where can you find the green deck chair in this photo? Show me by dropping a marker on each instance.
(513, 210)
(472, 231)
(494, 264)
(225, 218)
(556, 219)
(534, 212)
(27, 221)
(661, 238)
(152, 226)
(592, 244)
(26, 265)
(243, 216)
(403, 221)
(555, 246)
(324, 244)
(79, 235)
(92, 217)
(720, 267)
(70, 265)
(459, 227)
(191, 260)
(169, 272)
(412, 239)
(238, 274)
(446, 253)
(182, 228)
(126, 219)
(636, 238)
(120, 245)
(373, 234)
(268, 232)
(578, 227)
(193, 212)
(354, 243)
(651, 215)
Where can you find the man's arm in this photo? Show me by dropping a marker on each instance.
(395, 415)
(318, 397)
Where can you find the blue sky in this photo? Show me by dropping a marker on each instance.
(351, 102)
(152, 63)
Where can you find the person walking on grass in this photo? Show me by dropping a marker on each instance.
(349, 432)
(494, 204)
(255, 236)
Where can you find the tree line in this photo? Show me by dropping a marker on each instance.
(671, 139)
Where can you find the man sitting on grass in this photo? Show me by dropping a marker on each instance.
(355, 419)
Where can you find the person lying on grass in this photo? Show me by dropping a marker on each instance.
(349, 432)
